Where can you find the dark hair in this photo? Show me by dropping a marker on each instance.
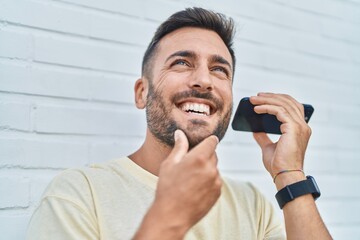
(191, 17)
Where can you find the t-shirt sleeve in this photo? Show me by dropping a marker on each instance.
(269, 221)
(66, 210)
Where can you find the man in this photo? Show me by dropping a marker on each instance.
(171, 188)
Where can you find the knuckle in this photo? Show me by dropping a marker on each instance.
(308, 131)
(202, 159)
(282, 110)
(301, 107)
(218, 183)
(285, 95)
(213, 172)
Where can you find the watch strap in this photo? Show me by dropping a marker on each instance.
(290, 192)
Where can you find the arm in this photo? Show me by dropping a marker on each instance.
(302, 219)
(189, 185)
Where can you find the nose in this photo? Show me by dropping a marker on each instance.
(202, 80)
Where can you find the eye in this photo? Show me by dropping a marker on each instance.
(220, 70)
(180, 62)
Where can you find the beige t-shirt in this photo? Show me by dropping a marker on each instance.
(109, 200)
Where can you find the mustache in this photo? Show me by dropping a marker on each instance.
(196, 94)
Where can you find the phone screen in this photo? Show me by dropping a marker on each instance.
(246, 119)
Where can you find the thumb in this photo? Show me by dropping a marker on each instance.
(262, 139)
(181, 146)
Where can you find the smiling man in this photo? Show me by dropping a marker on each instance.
(170, 188)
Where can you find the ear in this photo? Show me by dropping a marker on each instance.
(141, 91)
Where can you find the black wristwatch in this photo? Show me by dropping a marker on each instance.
(290, 192)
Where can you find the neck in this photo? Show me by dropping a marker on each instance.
(151, 154)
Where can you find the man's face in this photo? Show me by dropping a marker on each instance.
(191, 86)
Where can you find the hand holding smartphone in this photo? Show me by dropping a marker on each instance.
(246, 119)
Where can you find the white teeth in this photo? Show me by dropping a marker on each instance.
(198, 108)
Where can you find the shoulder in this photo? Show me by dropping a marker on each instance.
(241, 187)
(79, 183)
(70, 185)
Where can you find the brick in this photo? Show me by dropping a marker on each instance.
(44, 81)
(122, 29)
(325, 7)
(105, 151)
(344, 94)
(242, 158)
(112, 88)
(318, 160)
(347, 231)
(47, 81)
(344, 212)
(237, 137)
(346, 138)
(277, 14)
(60, 18)
(54, 119)
(15, 44)
(38, 184)
(14, 192)
(85, 54)
(345, 115)
(340, 72)
(14, 226)
(344, 185)
(266, 34)
(160, 10)
(42, 154)
(294, 63)
(317, 45)
(322, 136)
(351, 12)
(57, 18)
(354, 52)
(132, 8)
(347, 160)
(340, 30)
(14, 116)
(249, 53)
(258, 80)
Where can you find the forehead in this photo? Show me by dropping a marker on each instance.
(203, 42)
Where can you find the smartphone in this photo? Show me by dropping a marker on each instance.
(246, 119)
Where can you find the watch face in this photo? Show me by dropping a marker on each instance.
(317, 193)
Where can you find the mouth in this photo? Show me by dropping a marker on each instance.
(198, 108)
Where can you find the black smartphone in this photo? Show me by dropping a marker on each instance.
(246, 119)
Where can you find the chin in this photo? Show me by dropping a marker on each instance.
(197, 136)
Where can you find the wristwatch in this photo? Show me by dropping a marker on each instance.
(290, 192)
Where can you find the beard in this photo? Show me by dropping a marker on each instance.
(162, 125)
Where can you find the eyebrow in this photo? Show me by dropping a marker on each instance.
(220, 59)
(182, 53)
(191, 54)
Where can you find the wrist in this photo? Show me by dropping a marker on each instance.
(287, 178)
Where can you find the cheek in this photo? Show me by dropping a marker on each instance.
(226, 93)
(169, 83)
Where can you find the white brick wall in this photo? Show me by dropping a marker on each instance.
(67, 69)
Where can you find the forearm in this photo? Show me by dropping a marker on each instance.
(302, 219)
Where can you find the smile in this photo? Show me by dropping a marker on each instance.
(197, 108)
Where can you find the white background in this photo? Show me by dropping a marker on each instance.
(67, 70)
